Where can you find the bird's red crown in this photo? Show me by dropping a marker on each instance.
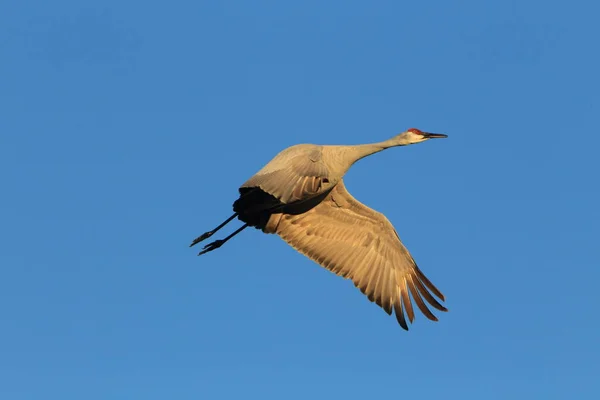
(415, 130)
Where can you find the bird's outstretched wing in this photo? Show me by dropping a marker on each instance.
(358, 243)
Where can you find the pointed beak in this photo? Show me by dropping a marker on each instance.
(434, 135)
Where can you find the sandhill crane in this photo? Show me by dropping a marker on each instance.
(300, 195)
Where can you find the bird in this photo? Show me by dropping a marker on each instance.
(300, 196)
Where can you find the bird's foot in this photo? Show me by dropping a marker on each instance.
(202, 237)
(211, 246)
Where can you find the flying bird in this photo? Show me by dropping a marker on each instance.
(300, 195)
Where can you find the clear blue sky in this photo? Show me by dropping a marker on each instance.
(127, 127)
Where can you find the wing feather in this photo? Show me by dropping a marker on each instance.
(406, 301)
(417, 298)
(400, 314)
(386, 293)
(430, 299)
(430, 285)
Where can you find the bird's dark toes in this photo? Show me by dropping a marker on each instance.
(206, 235)
(211, 246)
(202, 237)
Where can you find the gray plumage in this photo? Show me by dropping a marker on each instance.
(300, 195)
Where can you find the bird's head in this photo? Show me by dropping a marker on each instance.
(414, 135)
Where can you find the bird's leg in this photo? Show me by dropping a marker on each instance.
(218, 243)
(208, 234)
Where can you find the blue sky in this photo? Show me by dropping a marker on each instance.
(127, 127)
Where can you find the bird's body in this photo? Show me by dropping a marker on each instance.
(300, 195)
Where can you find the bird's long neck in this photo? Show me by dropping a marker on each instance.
(345, 156)
(355, 153)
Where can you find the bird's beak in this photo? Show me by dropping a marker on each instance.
(434, 135)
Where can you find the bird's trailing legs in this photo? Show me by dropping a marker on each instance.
(208, 234)
(218, 243)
